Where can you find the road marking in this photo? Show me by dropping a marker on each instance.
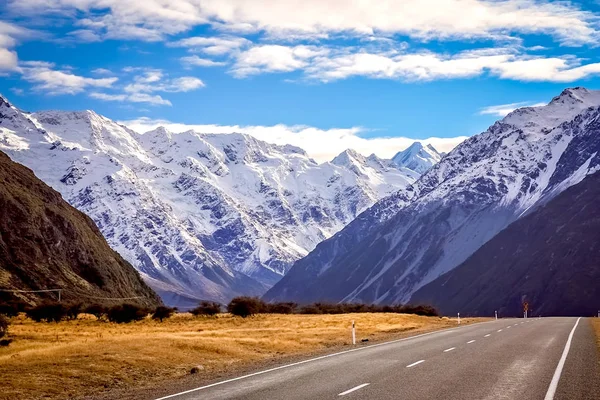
(353, 389)
(488, 335)
(508, 327)
(561, 364)
(415, 363)
(499, 330)
(471, 341)
(450, 349)
(314, 359)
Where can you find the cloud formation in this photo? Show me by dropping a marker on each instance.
(321, 144)
(153, 20)
(502, 110)
(47, 79)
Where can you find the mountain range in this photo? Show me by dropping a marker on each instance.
(47, 244)
(201, 216)
(488, 182)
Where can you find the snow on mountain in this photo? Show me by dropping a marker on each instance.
(417, 157)
(492, 179)
(201, 216)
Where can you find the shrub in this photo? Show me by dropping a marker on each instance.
(4, 323)
(282, 308)
(12, 308)
(207, 308)
(97, 310)
(310, 309)
(47, 311)
(126, 313)
(425, 310)
(163, 312)
(246, 306)
(73, 310)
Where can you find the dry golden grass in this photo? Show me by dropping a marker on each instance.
(596, 325)
(83, 357)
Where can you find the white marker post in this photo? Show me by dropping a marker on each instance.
(496, 313)
(353, 333)
(459, 318)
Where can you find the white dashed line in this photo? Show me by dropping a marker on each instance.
(450, 349)
(488, 335)
(499, 330)
(508, 327)
(353, 389)
(470, 341)
(415, 363)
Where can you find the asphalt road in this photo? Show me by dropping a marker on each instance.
(504, 359)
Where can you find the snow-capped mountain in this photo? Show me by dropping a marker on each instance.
(205, 216)
(417, 157)
(492, 179)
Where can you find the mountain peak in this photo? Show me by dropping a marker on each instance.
(348, 156)
(574, 95)
(417, 157)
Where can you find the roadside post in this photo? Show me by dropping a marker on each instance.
(459, 318)
(353, 333)
(496, 314)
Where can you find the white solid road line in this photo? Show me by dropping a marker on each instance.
(443, 331)
(470, 341)
(415, 363)
(353, 389)
(561, 364)
(488, 335)
(450, 349)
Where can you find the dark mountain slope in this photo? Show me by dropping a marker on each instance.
(45, 244)
(551, 258)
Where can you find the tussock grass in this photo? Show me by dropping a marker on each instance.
(85, 356)
(596, 325)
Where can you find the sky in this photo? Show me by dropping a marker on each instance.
(324, 75)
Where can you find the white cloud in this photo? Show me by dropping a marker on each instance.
(195, 61)
(133, 98)
(8, 39)
(153, 80)
(145, 84)
(46, 79)
(501, 110)
(335, 63)
(214, 46)
(275, 58)
(447, 19)
(321, 144)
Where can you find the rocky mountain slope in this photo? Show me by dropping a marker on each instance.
(201, 216)
(489, 181)
(549, 258)
(47, 244)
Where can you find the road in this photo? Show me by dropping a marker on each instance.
(504, 359)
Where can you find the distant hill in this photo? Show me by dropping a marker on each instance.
(550, 258)
(46, 244)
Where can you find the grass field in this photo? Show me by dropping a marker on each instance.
(596, 325)
(85, 356)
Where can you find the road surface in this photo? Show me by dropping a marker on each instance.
(542, 359)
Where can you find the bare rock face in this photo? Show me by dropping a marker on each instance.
(47, 244)
(549, 259)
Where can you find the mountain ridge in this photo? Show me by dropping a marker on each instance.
(474, 192)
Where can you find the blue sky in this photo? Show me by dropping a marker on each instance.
(324, 75)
